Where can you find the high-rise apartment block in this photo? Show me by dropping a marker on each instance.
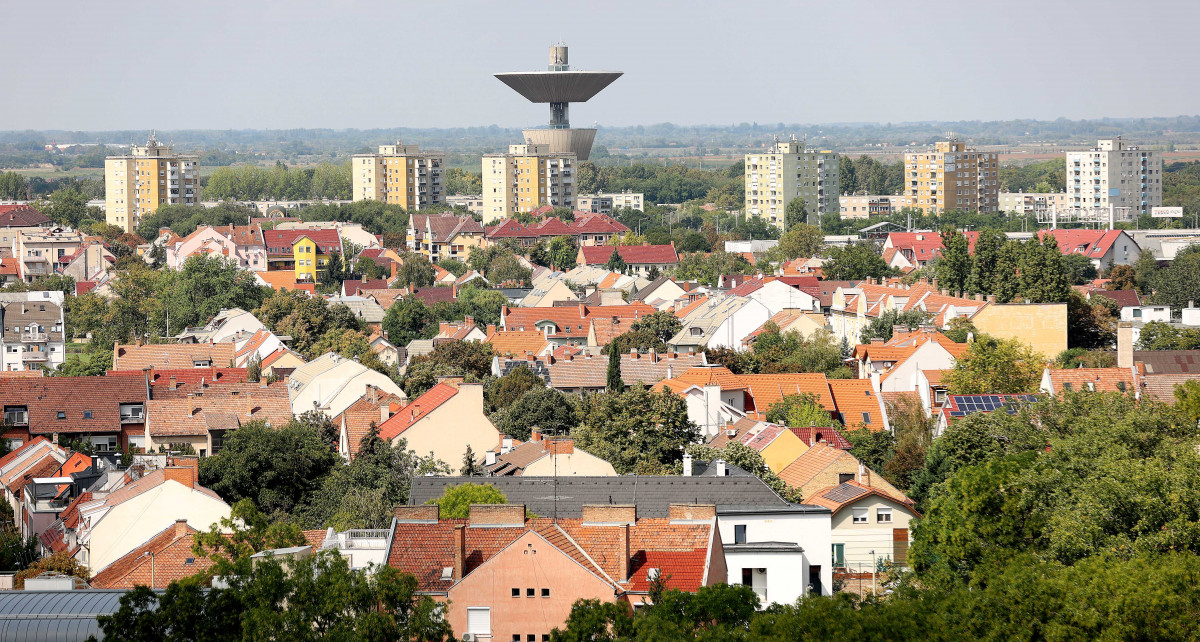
(151, 175)
(526, 178)
(1115, 174)
(788, 171)
(952, 177)
(400, 175)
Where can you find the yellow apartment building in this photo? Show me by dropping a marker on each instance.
(526, 178)
(149, 176)
(952, 177)
(400, 175)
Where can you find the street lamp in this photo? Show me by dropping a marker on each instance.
(873, 572)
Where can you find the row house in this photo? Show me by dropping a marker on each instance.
(583, 372)
(779, 549)
(586, 230)
(104, 412)
(718, 321)
(573, 325)
(202, 416)
(32, 331)
(505, 577)
(642, 260)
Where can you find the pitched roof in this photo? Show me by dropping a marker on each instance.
(812, 435)
(653, 494)
(163, 376)
(21, 216)
(171, 355)
(1090, 243)
(279, 242)
(835, 498)
(88, 404)
(811, 463)
(857, 401)
(441, 228)
(516, 342)
(218, 407)
(957, 406)
(571, 321)
(1162, 387)
(1093, 379)
(766, 390)
(416, 410)
(597, 224)
(1168, 361)
(173, 560)
(365, 413)
(587, 371)
(631, 254)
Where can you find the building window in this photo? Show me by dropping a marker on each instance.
(860, 516)
(845, 477)
(61, 415)
(545, 592)
(87, 414)
(530, 592)
(883, 515)
(839, 555)
(739, 534)
(747, 577)
(479, 620)
(866, 418)
(516, 592)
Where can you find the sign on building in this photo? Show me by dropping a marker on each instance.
(1166, 212)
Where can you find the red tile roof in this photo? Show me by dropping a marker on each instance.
(165, 558)
(21, 216)
(813, 435)
(416, 410)
(1090, 243)
(571, 321)
(631, 254)
(88, 404)
(162, 376)
(279, 242)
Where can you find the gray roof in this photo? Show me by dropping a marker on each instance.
(1169, 361)
(55, 615)
(652, 494)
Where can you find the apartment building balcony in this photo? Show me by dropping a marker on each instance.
(36, 356)
(34, 337)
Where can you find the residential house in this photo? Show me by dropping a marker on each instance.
(1104, 248)
(758, 529)
(1043, 326)
(548, 292)
(202, 417)
(824, 466)
(38, 250)
(869, 525)
(443, 236)
(31, 331)
(283, 362)
(777, 295)
(91, 262)
(719, 322)
(331, 383)
(577, 373)
(806, 324)
(228, 325)
(661, 293)
(49, 489)
(569, 325)
(15, 219)
(301, 252)
(505, 577)
(910, 251)
(165, 379)
(104, 412)
(164, 558)
(244, 245)
(517, 343)
(139, 356)
(464, 330)
(715, 396)
(446, 422)
(547, 457)
(587, 229)
(1056, 381)
(28, 459)
(642, 260)
(109, 527)
(369, 412)
(892, 365)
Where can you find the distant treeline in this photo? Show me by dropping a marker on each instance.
(252, 183)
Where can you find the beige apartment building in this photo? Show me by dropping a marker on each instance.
(1115, 173)
(868, 205)
(605, 203)
(526, 178)
(400, 175)
(787, 171)
(149, 176)
(1034, 203)
(952, 177)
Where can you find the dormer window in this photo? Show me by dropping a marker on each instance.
(87, 414)
(60, 415)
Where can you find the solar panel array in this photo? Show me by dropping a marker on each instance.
(970, 404)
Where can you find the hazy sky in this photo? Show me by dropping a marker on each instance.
(91, 65)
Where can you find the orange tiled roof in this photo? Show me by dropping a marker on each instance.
(703, 376)
(854, 398)
(572, 320)
(171, 355)
(516, 342)
(219, 407)
(766, 390)
(416, 410)
(1093, 379)
(172, 560)
(810, 463)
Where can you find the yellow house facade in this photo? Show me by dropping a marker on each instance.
(778, 446)
(1043, 326)
(308, 259)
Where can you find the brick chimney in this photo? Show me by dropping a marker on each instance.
(691, 512)
(171, 383)
(496, 515)
(535, 434)
(180, 474)
(562, 446)
(460, 551)
(1125, 344)
(181, 528)
(625, 554)
(417, 513)
(609, 514)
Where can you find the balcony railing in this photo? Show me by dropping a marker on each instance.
(36, 355)
(33, 337)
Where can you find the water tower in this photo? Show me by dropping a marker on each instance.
(560, 86)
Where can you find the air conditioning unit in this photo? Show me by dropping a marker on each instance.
(732, 432)
(470, 637)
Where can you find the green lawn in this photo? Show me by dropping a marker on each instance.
(48, 173)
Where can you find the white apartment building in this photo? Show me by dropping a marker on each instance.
(787, 171)
(151, 175)
(868, 205)
(605, 203)
(31, 330)
(1034, 203)
(526, 178)
(399, 174)
(1115, 174)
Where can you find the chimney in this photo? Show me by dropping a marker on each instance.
(385, 412)
(582, 310)
(633, 353)
(625, 553)
(978, 297)
(691, 512)
(460, 551)
(491, 329)
(934, 284)
(250, 407)
(670, 371)
(991, 298)
(877, 341)
(862, 475)
(608, 514)
(945, 292)
(416, 514)
(561, 446)
(181, 528)
(721, 471)
(181, 474)
(687, 465)
(1125, 344)
(489, 458)
(496, 515)
(653, 356)
(535, 434)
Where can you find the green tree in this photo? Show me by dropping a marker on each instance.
(1187, 399)
(545, 408)
(1091, 325)
(795, 213)
(1079, 269)
(986, 261)
(1122, 277)
(613, 382)
(1007, 286)
(1178, 284)
(1043, 276)
(416, 270)
(1158, 335)
(856, 262)
(882, 326)
(954, 266)
(749, 460)
(638, 430)
(60, 562)
(276, 467)
(996, 366)
(408, 319)
(453, 358)
(505, 391)
(799, 410)
(615, 262)
(562, 253)
(801, 240)
(455, 502)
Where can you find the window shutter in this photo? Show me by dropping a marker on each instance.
(479, 620)
(900, 546)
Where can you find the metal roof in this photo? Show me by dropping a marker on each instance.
(558, 86)
(55, 615)
(653, 494)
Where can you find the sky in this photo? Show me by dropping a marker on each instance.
(277, 64)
